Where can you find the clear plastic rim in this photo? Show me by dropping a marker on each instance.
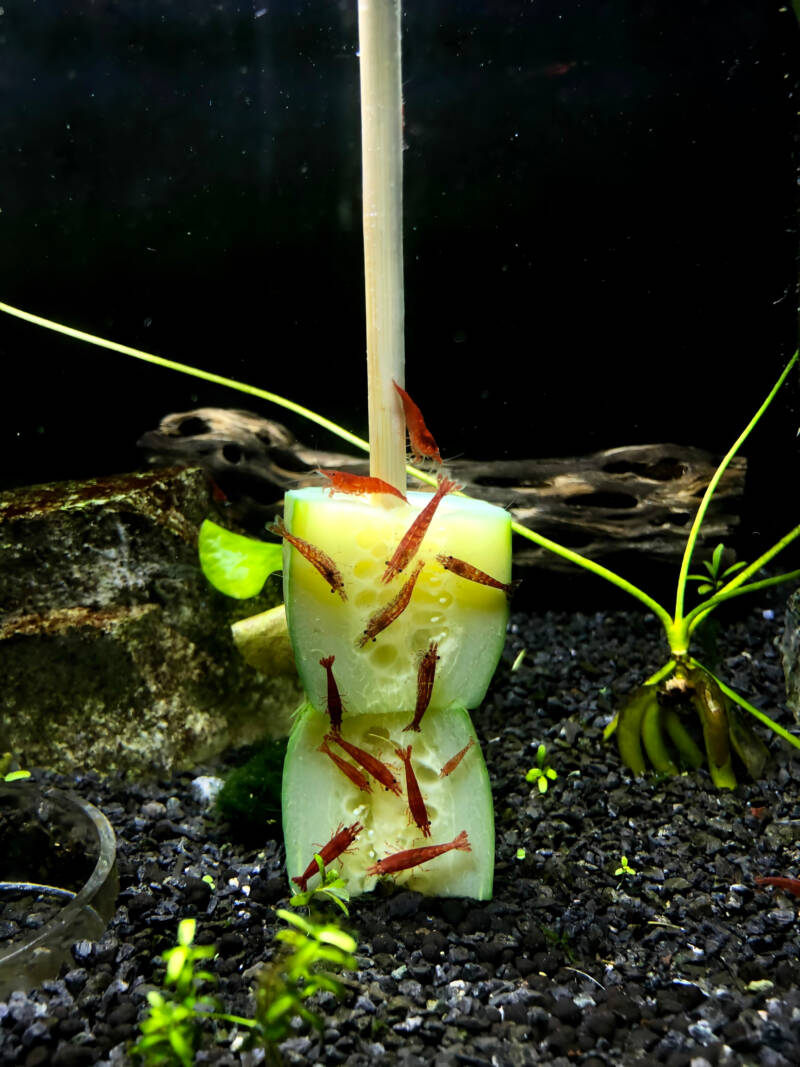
(86, 899)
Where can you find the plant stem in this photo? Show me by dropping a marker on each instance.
(596, 568)
(382, 180)
(696, 615)
(207, 376)
(711, 488)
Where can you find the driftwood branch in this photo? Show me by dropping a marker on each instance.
(638, 499)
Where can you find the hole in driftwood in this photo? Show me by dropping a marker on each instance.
(192, 427)
(232, 453)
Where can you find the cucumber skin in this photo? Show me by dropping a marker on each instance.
(317, 798)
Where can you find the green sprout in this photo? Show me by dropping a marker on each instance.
(624, 868)
(541, 774)
(172, 1029)
(283, 987)
(209, 881)
(332, 887)
(715, 579)
(520, 656)
(642, 722)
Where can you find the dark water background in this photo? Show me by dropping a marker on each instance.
(600, 221)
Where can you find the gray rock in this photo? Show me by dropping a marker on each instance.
(115, 652)
(790, 653)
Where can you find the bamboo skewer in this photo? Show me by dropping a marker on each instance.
(382, 182)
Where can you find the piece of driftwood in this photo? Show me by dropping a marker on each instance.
(637, 499)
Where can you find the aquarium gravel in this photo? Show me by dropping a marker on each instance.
(674, 956)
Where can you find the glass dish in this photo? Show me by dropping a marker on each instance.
(58, 880)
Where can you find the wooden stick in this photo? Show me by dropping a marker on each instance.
(382, 178)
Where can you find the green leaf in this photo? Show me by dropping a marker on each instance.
(235, 565)
(182, 1047)
(716, 557)
(186, 931)
(734, 568)
(295, 920)
(176, 963)
(15, 776)
(333, 936)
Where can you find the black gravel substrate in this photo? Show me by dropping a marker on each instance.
(685, 962)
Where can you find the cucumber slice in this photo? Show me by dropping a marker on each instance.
(467, 620)
(318, 797)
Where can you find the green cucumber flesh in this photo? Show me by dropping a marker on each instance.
(318, 799)
(466, 619)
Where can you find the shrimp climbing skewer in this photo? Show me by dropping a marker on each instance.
(412, 538)
(425, 679)
(339, 843)
(413, 857)
(422, 443)
(386, 615)
(315, 556)
(473, 574)
(419, 813)
(358, 484)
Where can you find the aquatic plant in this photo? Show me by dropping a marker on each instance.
(332, 888)
(542, 773)
(171, 1031)
(624, 868)
(683, 684)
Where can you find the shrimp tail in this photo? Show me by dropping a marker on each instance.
(462, 842)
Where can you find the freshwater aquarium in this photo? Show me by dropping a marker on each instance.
(489, 759)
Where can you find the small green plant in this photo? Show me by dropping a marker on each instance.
(283, 987)
(171, 1031)
(542, 774)
(559, 939)
(624, 868)
(332, 887)
(716, 578)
